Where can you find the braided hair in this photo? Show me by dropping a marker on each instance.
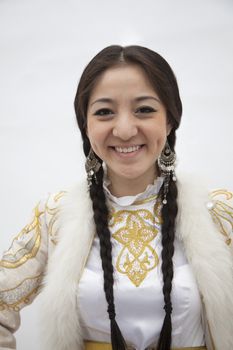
(164, 82)
(169, 212)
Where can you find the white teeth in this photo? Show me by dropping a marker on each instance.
(127, 150)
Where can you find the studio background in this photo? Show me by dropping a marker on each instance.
(45, 45)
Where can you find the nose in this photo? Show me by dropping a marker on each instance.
(125, 127)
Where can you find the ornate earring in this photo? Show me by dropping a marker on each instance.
(166, 164)
(92, 167)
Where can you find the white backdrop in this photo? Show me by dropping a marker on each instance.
(44, 46)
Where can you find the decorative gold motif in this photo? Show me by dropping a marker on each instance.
(59, 195)
(25, 245)
(137, 229)
(15, 298)
(53, 215)
(226, 193)
(222, 213)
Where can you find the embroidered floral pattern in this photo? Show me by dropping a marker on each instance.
(135, 229)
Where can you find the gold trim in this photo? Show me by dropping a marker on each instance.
(222, 213)
(34, 225)
(53, 213)
(146, 200)
(226, 193)
(13, 293)
(59, 195)
(92, 345)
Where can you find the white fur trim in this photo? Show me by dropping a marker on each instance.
(60, 323)
(211, 261)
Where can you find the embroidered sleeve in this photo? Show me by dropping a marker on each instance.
(52, 214)
(22, 266)
(220, 207)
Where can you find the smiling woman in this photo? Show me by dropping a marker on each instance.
(133, 257)
(127, 127)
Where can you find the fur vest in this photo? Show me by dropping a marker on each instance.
(209, 256)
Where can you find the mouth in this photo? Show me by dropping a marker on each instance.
(127, 151)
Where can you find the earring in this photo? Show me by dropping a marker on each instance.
(166, 164)
(92, 167)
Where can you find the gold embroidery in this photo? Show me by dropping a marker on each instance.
(52, 212)
(227, 194)
(138, 229)
(25, 245)
(222, 213)
(59, 195)
(14, 298)
(143, 201)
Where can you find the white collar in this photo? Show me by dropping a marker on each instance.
(151, 190)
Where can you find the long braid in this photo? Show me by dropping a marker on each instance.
(169, 213)
(101, 221)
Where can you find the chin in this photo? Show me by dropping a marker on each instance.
(130, 174)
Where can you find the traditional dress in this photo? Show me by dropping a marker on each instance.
(60, 243)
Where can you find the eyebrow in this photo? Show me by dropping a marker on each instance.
(137, 99)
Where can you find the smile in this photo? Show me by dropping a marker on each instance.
(127, 149)
(127, 152)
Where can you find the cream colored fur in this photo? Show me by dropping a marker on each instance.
(60, 323)
(206, 251)
(211, 261)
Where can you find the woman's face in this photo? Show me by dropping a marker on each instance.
(126, 123)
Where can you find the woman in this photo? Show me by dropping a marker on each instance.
(158, 271)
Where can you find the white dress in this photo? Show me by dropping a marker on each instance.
(135, 226)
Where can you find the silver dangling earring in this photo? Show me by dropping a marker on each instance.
(166, 164)
(92, 167)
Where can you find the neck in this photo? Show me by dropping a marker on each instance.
(129, 187)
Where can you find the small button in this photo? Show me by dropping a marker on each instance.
(210, 205)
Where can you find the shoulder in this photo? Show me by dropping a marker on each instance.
(193, 193)
(196, 199)
(63, 207)
(68, 195)
(220, 206)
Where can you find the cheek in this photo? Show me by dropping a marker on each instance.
(158, 141)
(158, 135)
(96, 139)
(92, 132)
(161, 143)
(93, 140)
(88, 127)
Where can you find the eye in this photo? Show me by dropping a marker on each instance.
(145, 109)
(103, 112)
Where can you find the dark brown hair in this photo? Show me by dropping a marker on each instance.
(164, 83)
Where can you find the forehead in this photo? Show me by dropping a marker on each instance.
(122, 80)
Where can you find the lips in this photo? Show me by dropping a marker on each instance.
(127, 149)
(131, 151)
